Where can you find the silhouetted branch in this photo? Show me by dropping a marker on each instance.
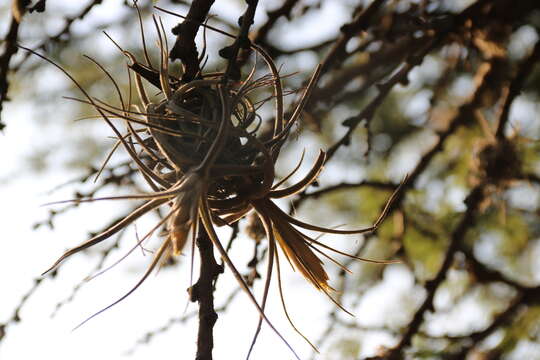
(516, 85)
(110, 176)
(369, 111)
(104, 254)
(473, 201)
(185, 48)
(15, 318)
(360, 23)
(260, 36)
(60, 35)
(242, 42)
(273, 16)
(203, 292)
(484, 274)
(529, 296)
(343, 186)
(10, 48)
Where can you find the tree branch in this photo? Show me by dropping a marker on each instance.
(185, 48)
(242, 41)
(360, 22)
(203, 293)
(515, 88)
(10, 49)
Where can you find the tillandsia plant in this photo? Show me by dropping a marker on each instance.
(202, 151)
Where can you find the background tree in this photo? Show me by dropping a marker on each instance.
(444, 91)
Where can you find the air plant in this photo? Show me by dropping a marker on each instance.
(200, 150)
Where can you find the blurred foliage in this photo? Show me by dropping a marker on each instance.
(445, 111)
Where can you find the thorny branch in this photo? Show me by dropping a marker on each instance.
(283, 11)
(361, 21)
(184, 48)
(63, 36)
(98, 268)
(369, 111)
(261, 34)
(15, 318)
(242, 41)
(203, 293)
(11, 40)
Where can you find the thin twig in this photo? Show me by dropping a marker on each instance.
(361, 21)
